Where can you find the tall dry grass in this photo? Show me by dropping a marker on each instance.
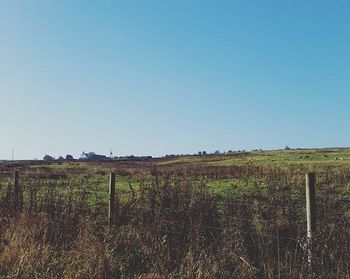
(176, 227)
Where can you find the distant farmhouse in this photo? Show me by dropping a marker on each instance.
(69, 157)
(92, 156)
(48, 158)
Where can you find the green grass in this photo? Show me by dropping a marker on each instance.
(280, 158)
(94, 177)
(2, 188)
(222, 187)
(97, 188)
(286, 158)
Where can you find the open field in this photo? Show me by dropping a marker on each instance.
(236, 215)
(307, 157)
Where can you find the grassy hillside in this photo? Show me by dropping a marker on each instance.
(281, 158)
(216, 216)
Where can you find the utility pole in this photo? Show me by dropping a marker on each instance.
(13, 154)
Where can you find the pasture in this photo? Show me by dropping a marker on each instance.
(237, 215)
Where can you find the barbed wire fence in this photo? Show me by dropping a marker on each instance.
(107, 199)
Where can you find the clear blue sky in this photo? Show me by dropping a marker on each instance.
(159, 77)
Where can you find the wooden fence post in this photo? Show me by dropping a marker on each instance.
(111, 210)
(155, 174)
(18, 195)
(310, 212)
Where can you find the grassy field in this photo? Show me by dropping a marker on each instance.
(95, 175)
(281, 158)
(238, 215)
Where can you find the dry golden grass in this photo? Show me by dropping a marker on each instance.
(175, 226)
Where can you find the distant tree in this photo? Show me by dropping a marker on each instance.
(204, 152)
(287, 148)
(199, 153)
(217, 152)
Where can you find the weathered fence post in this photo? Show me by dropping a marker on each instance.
(111, 210)
(17, 192)
(155, 174)
(310, 212)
